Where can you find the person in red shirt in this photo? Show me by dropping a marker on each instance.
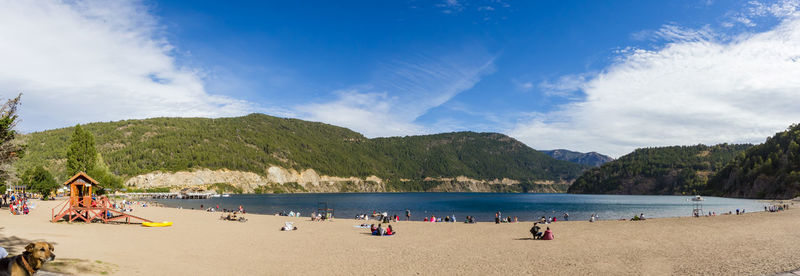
(548, 235)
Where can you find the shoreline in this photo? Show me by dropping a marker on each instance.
(574, 206)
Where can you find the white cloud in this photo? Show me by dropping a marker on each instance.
(402, 91)
(85, 61)
(566, 86)
(693, 90)
(755, 10)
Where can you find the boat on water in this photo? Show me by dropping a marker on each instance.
(215, 195)
(697, 198)
(226, 195)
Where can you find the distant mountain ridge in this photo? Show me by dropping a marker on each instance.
(257, 143)
(593, 159)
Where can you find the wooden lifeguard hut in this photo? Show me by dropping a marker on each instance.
(83, 205)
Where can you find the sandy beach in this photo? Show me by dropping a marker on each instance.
(200, 244)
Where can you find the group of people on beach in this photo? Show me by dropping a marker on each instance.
(498, 218)
(124, 206)
(380, 231)
(17, 203)
(538, 235)
(434, 218)
(776, 208)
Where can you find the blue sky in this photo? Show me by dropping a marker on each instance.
(606, 76)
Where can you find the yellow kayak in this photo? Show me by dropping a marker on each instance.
(157, 224)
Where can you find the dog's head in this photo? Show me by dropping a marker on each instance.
(42, 251)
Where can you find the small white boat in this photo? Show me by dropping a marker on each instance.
(226, 195)
(215, 195)
(698, 198)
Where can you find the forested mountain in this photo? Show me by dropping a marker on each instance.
(662, 170)
(590, 158)
(254, 142)
(769, 170)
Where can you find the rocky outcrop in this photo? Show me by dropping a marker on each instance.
(279, 180)
(276, 178)
(248, 181)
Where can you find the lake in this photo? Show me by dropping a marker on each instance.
(482, 206)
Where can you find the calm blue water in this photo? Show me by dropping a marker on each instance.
(480, 205)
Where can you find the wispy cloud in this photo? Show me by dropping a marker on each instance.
(456, 6)
(401, 91)
(85, 61)
(675, 33)
(568, 86)
(692, 90)
(756, 10)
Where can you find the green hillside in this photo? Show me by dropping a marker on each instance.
(769, 170)
(663, 170)
(252, 143)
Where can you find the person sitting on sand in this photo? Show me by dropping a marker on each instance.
(535, 231)
(390, 231)
(548, 235)
(381, 231)
(373, 229)
(288, 226)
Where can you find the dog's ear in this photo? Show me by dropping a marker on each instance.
(30, 247)
(51, 247)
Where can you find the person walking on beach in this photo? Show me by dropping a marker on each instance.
(408, 214)
(497, 217)
(566, 216)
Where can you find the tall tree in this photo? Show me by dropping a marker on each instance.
(10, 149)
(39, 180)
(101, 173)
(81, 155)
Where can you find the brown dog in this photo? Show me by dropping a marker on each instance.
(30, 261)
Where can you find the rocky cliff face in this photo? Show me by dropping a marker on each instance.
(278, 179)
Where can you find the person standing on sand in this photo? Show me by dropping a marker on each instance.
(566, 216)
(408, 215)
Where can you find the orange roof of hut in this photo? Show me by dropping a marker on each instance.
(81, 178)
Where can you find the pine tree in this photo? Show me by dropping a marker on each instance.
(81, 155)
(10, 149)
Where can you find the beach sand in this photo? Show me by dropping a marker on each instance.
(200, 244)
